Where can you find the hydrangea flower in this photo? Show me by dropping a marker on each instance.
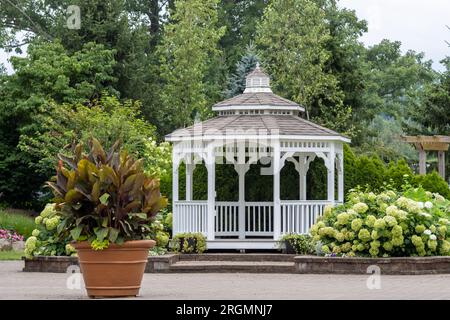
(390, 220)
(343, 218)
(370, 220)
(428, 205)
(374, 235)
(432, 244)
(339, 236)
(371, 196)
(424, 214)
(433, 237)
(356, 224)
(364, 235)
(380, 224)
(427, 232)
(327, 210)
(442, 230)
(360, 207)
(420, 228)
(388, 246)
(325, 249)
(391, 210)
(38, 220)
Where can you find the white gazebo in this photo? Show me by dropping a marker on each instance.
(254, 126)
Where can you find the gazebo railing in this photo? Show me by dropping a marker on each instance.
(227, 218)
(297, 216)
(259, 218)
(190, 216)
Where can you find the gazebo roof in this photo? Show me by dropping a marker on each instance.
(257, 111)
(247, 125)
(257, 95)
(257, 99)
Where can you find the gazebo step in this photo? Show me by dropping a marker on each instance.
(238, 257)
(242, 244)
(233, 266)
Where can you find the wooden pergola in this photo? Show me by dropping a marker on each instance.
(430, 143)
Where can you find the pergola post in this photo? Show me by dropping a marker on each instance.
(211, 167)
(276, 191)
(422, 160)
(330, 174)
(441, 163)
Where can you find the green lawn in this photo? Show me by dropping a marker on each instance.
(21, 223)
(11, 255)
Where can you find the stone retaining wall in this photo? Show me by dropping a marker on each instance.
(354, 265)
(303, 264)
(60, 264)
(49, 264)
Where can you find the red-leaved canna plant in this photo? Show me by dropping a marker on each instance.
(105, 197)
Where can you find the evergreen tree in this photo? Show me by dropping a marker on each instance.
(236, 82)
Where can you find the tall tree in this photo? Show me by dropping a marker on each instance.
(189, 46)
(241, 18)
(346, 60)
(292, 37)
(49, 72)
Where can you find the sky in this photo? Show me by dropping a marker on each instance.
(419, 24)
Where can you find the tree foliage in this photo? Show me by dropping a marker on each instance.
(293, 38)
(190, 41)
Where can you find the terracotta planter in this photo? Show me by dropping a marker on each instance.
(116, 271)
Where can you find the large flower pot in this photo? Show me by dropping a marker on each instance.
(116, 271)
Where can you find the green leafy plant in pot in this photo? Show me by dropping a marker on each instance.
(107, 203)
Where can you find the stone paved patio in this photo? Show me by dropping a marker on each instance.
(15, 284)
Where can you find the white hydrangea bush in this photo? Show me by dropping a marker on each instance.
(412, 223)
(47, 240)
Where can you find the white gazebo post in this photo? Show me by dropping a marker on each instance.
(175, 165)
(190, 166)
(211, 167)
(276, 190)
(340, 170)
(330, 173)
(302, 176)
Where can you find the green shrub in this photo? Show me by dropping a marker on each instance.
(412, 223)
(189, 243)
(433, 182)
(302, 243)
(20, 223)
(49, 238)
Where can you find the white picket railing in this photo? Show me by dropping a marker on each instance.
(298, 216)
(190, 216)
(227, 218)
(259, 218)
